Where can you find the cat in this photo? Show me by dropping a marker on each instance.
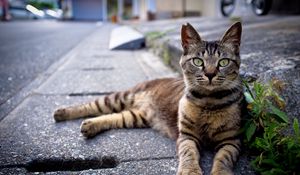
(201, 108)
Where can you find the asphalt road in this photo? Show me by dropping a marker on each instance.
(29, 47)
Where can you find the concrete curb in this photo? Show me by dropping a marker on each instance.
(126, 38)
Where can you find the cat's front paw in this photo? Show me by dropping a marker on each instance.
(88, 128)
(189, 171)
(60, 115)
(222, 172)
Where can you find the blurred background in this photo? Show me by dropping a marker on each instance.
(117, 10)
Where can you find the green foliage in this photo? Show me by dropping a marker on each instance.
(41, 5)
(264, 106)
(157, 34)
(280, 154)
(166, 55)
(277, 153)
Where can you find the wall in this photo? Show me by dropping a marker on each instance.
(193, 5)
(209, 8)
(87, 9)
(169, 8)
(176, 8)
(143, 10)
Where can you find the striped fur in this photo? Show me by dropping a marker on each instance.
(145, 105)
(202, 108)
(210, 110)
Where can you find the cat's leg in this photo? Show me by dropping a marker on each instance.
(188, 155)
(112, 103)
(188, 147)
(74, 112)
(226, 156)
(127, 119)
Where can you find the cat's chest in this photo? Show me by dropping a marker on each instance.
(200, 115)
(207, 122)
(210, 120)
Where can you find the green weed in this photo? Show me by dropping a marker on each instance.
(153, 35)
(266, 130)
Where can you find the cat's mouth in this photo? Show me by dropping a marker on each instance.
(212, 86)
(213, 83)
(209, 85)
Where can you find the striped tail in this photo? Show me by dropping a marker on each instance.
(113, 103)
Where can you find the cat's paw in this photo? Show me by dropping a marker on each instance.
(190, 171)
(222, 172)
(60, 115)
(88, 128)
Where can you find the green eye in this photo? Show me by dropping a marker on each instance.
(224, 62)
(198, 62)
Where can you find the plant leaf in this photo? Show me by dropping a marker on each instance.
(281, 115)
(261, 144)
(248, 97)
(290, 144)
(296, 127)
(250, 131)
(277, 171)
(270, 162)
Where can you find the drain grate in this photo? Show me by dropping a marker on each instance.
(51, 165)
(101, 56)
(98, 69)
(89, 94)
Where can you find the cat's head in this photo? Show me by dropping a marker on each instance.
(210, 64)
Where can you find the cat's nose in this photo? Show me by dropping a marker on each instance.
(210, 75)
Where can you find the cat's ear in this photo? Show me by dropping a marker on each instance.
(232, 37)
(189, 36)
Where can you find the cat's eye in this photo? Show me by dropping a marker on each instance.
(198, 62)
(224, 62)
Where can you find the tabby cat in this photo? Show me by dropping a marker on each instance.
(202, 108)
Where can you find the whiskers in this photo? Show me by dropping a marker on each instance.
(231, 84)
(199, 77)
(220, 78)
(218, 82)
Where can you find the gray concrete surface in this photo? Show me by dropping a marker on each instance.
(29, 47)
(31, 141)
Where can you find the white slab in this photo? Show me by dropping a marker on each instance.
(125, 37)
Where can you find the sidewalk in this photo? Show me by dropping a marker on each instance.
(31, 141)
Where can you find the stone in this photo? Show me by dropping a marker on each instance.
(126, 38)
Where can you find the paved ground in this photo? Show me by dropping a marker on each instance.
(31, 142)
(29, 47)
